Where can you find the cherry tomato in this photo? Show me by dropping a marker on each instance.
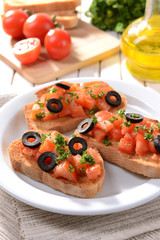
(37, 25)
(58, 43)
(27, 50)
(13, 21)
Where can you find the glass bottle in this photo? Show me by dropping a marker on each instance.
(140, 43)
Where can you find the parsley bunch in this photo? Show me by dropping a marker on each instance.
(115, 14)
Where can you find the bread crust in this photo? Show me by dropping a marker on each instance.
(28, 166)
(41, 5)
(63, 124)
(135, 163)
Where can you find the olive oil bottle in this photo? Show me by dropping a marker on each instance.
(140, 43)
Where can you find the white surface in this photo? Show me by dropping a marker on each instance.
(122, 190)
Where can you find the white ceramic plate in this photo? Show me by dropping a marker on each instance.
(122, 190)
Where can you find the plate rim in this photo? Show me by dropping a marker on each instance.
(152, 184)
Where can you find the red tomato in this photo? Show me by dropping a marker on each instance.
(27, 50)
(142, 145)
(127, 144)
(58, 43)
(37, 25)
(13, 21)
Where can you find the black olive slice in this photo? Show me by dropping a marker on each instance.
(64, 86)
(43, 157)
(89, 126)
(33, 144)
(77, 140)
(110, 102)
(134, 117)
(157, 143)
(53, 108)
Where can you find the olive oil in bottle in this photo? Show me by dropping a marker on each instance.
(140, 43)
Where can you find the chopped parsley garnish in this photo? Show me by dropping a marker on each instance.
(52, 90)
(73, 95)
(94, 120)
(86, 87)
(100, 95)
(113, 119)
(121, 113)
(71, 168)
(107, 142)
(41, 105)
(93, 110)
(148, 136)
(158, 125)
(135, 115)
(67, 100)
(44, 136)
(40, 115)
(137, 127)
(61, 98)
(74, 135)
(64, 155)
(127, 124)
(87, 158)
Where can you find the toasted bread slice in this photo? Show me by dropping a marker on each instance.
(26, 165)
(146, 164)
(143, 165)
(41, 5)
(62, 124)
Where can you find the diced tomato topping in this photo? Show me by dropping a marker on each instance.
(142, 145)
(62, 170)
(127, 144)
(103, 115)
(95, 155)
(75, 161)
(129, 129)
(77, 111)
(98, 134)
(102, 105)
(93, 172)
(152, 148)
(117, 122)
(116, 134)
(105, 125)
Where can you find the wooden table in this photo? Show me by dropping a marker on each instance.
(112, 68)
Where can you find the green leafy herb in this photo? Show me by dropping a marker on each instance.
(158, 125)
(87, 158)
(63, 156)
(41, 105)
(52, 90)
(127, 124)
(40, 115)
(71, 168)
(107, 142)
(44, 136)
(113, 119)
(121, 113)
(93, 110)
(135, 115)
(148, 136)
(94, 120)
(115, 14)
(61, 98)
(74, 135)
(67, 100)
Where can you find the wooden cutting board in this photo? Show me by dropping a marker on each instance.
(89, 45)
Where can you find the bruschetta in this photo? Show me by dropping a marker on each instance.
(65, 164)
(64, 105)
(128, 140)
